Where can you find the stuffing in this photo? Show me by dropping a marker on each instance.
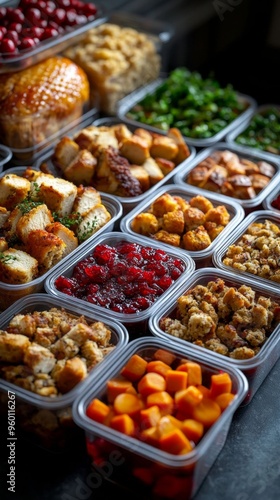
(35, 219)
(65, 152)
(135, 149)
(13, 190)
(81, 169)
(167, 238)
(153, 170)
(166, 166)
(145, 223)
(242, 353)
(173, 222)
(92, 353)
(38, 358)
(163, 147)
(201, 203)
(218, 214)
(17, 267)
(46, 248)
(196, 240)
(73, 372)
(12, 347)
(194, 218)
(163, 204)
(23, 324)
(58, 194)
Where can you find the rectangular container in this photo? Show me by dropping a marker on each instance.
(255, 368)
(49, 47)
(29, 155)
(40, 417)
(201, 257)
(136, 97)
(271, 198)
(10, 293)
(232, 135)
(130, 460)
(136, 322)
(248, 204)
(128, 203)
(257, 217)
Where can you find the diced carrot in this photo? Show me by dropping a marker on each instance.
(158, 366)
(149, 417)
(144, 474)
(150, 436)
(98, 411)
(224, 399)
(165, 356)
(167, 423)
(205, 391)
(174, 441)
(135, 368)
(117, 386)
(194, 372)
(220, 382)
(123, 423)
(163, 400)
(186, 399)
(193, 429)
(151, 382)
(206, 412)
(176, 381)
(128, 403)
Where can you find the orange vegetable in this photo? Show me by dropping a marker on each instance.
(204, 390)
(206, 412)
(149, 417)
(150, 436)
(123, 423)
(151, 382)
(117, 386)
(165, 356)
(145, 474)
(176, 380)
(158, 366)
(98, 411)
(221, 382)
(224, 399)
(187, 399)
(194, 372)
(192, 429)
(161, 399)
(167, 423)
(134, 368)
(129, 404)
(174, 442)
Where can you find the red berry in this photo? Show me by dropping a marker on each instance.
(7, 46)
(28, 43)
(12, 35)
(15, 27)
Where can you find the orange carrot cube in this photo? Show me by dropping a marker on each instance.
(206, 412)
(150, 436)
(163, 400)
(221, 382)
(193, 429)
(151, 382)
(129, 404)
(98, 411)
(224, 399)
(165, 356)
(134, 368)
(117, 386)
(176, 381)
(158, 366)
(149, 417)
(123, 423)
(187, 399)
(174, 441)
(194, 372)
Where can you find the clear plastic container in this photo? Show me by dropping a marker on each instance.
(271, 197)
(258, 156)
(10, 293)
(201, 257)
(131, 100)
(135, 322)
(128, 461)
(49, 47)
(255, 368)
(128, 203)
(5, 156)
(257, 217)
(233, 134)
(47, 420)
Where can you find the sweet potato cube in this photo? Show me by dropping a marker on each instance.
(158, 366)
(206, 412)
(123, 423)
(150, 436)
(192, 429)
(221, 382)
(161, 399)
(176, 381)
(98, 411)
(224, 399)
(205, 391)
(151, 382)
(165, 356)
(135, 368)
(187, 399)
(129, 404)
(194, 372)
(167, 423)
(117, 386)
(149, 417)
(174, 441)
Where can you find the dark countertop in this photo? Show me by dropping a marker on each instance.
(248, 466)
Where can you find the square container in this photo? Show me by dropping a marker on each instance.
(248, 204)
(49, 47)
(126, 105)
(255, 368)
(130, 461)
(10, 293)
(128, 203)
(47, 420)
(273, 197)
(30, 154)
(257, 217)
(5, 156)
(233, 136)
(201, 257)
(136, 322)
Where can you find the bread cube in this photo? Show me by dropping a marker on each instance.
(12, 347)
(81, 169)
(65, 152)
(57, 193)
(37, 218)
(155, 173)
(17, 266)
(145, 223)
(96, 218)
(135, 149)
(87, 197)
(13, 190)
(45, 247)
(66, 235)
